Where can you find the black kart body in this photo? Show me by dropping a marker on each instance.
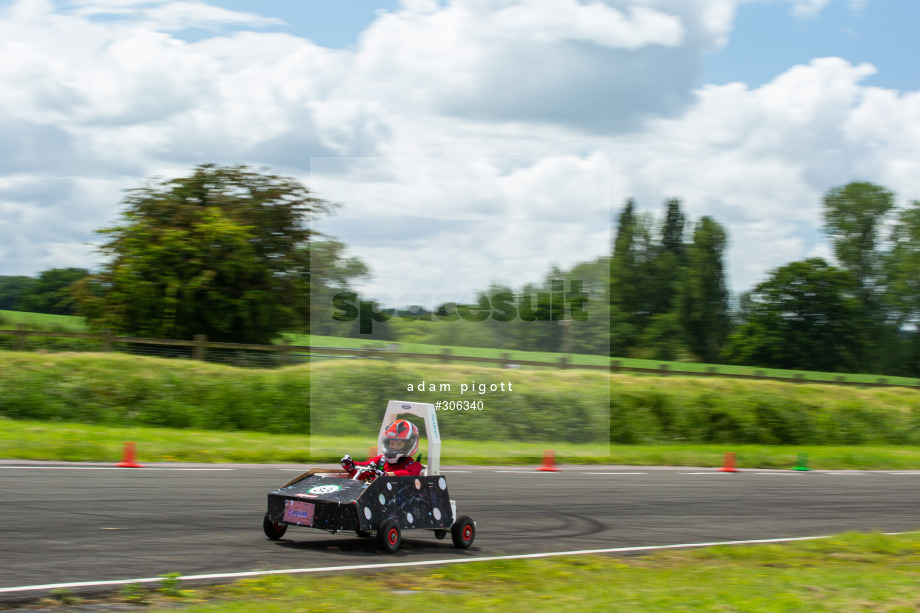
(369, 502)
(337, 503)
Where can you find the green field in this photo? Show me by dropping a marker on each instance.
(588, 359)
(42, 321)
(545, 406)
(852, 572)
(55, 323)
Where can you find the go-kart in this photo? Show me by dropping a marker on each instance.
(372, 505)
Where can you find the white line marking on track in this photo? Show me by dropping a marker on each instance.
(378, 566)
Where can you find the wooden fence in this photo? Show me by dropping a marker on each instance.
(200, 348)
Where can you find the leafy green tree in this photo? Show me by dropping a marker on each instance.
(623, 280)
(668, 257)
(630, 271)
(804, 316)
(663, 339)
(590, 333)
(220, 252)
(51, 292)
(703, 310)
(903, 267)
(672, 233)
(12, 288)
(853, 219)
(856, 216)
(331, 272)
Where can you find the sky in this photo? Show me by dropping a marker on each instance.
(467, 141)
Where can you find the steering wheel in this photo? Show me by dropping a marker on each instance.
(365, 473)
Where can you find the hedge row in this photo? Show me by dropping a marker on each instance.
(348, 397)
(118, 390)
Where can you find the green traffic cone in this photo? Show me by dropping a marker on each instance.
(802, 464)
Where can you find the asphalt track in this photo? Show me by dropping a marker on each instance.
(69, 523)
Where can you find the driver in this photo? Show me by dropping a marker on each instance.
(399, 442)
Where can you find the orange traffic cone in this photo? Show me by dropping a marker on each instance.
(549, 461)
(729, 463)
(128, 456)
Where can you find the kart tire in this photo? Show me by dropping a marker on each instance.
(273, 530)
(389, 536)
(440, 533)
(463, 532)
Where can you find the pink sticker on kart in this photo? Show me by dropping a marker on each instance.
(299, 512)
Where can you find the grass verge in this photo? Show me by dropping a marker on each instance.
(852, 572)
(43, 321)
(31, 440)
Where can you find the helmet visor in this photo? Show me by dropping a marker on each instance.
(399, 441)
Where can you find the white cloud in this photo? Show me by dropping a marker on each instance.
(805, 9)
(476, 139)
(759, 160)
(597, 66)
(171, 15)
(450, 223)
(554, 21)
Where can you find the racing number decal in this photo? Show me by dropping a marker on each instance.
(325, 489)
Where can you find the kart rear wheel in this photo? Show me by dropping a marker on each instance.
(273, 530)
(463, 532)
(389, 536)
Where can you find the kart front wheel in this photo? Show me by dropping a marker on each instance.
(389, 536)
(463, 532)
(273, 530)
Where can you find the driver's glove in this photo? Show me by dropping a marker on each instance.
(347, 463)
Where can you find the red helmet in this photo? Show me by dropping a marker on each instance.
(399, 441)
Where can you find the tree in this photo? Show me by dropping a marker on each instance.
(668, 259)
(12, 287)
(221, 252)
(672, 234)
(903, 267)
(630, 300)
(51, 292)
(703, 297)
(804, 316)
(853, 216)
(331, 272)
(902, 271)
